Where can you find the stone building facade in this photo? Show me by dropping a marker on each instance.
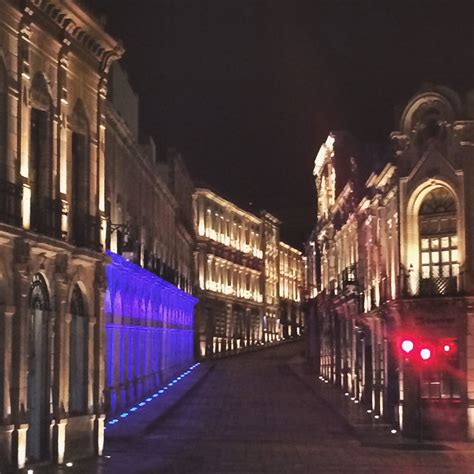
(149, 202)
(237, 265)
(291, 283)
(391, 260)
(54, 60)
(149, 307)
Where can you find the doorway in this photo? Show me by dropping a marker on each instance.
(39, 377)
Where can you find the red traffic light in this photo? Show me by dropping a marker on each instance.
(407, 345)
(449, 347)
(425, 353)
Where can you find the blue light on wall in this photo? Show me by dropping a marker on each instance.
(149, 330)
(125, 414)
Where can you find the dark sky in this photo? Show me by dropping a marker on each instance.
(248, 89)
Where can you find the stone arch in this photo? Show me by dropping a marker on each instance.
(41, 95)
(440, 101)
(77, 282)
(412, 227)
(78, 351)
(40, 359)
(117, 307)
(108, 309)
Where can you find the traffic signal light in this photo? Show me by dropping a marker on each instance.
(407, 345)
(428, 350)
(425, 354)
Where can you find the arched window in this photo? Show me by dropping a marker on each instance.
(40, 156)
(439, 260)
(80, 175)
(78, 359)
(40, 371)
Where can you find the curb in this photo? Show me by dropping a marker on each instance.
(145, 416)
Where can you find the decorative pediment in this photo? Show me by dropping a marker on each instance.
(432, 165)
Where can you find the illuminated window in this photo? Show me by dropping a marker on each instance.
(439, 258)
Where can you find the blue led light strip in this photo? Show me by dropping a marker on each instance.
(160, 392)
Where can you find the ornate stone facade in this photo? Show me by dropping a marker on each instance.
(54, 60)
(240, 277)
(149, 202)
(149, 309)
(390, 258)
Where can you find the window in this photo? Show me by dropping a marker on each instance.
(80, 174)
(439, 259)
(440, 384)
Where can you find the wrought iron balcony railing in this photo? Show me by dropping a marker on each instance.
(10, 203)
(86, 232)
(46, 216)
(415, 285)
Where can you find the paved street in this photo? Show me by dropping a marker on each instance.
(251, 414)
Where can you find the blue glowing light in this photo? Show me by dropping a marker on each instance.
(149, 323)
(142, 404)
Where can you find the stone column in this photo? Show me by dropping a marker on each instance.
(6, 428)
(19, 366)
(96, 350)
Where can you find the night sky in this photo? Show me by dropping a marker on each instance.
(247, 90)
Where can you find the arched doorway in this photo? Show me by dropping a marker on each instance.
(78, 360)
(40, 365)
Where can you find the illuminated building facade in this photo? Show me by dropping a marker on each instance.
(149, 309)
(238, 274)
(390, 259)
(54, 60)
(291, 283)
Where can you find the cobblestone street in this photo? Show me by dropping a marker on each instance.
(251, 414)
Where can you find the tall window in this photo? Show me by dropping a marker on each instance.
(438, 239)
(40, 162)
(78, 354)
(80, 173)
(40, 377)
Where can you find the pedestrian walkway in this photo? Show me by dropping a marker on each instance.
(143, 416)
(369, 428)
(254, 413)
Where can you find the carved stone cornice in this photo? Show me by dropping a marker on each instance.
(79, 28)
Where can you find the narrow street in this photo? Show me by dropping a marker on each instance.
(251, 414)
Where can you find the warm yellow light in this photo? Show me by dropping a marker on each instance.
(26, 206)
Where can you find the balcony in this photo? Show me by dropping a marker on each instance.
(46, 216)
(10, 203)
(86, 232)
(416, 286)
